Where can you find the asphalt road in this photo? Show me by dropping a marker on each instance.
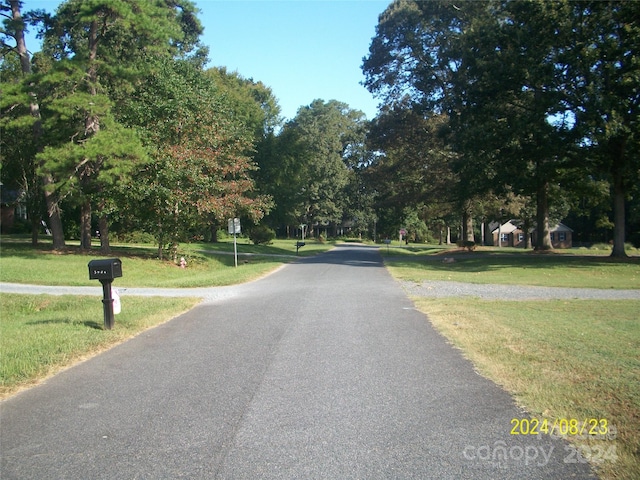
(321, 370)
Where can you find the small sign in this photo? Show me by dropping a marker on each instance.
(234, 226)
(117, 306)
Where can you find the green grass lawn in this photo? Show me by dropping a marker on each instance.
(21, 263)
(524, 268)
(576, 359)
(560, 359)
(41, 334)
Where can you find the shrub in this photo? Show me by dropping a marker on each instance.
(262, 235)
(468, 244)
(135, 237)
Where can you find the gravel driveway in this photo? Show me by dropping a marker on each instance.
(439, 289)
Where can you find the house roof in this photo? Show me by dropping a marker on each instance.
(507, 227)
(561, 227)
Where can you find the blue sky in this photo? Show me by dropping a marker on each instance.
(302, 49)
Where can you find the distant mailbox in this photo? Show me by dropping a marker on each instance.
(105, 269)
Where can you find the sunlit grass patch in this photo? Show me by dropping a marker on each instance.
(524, 269)
(40, 334)
(560, 359)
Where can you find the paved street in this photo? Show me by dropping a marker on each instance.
(321, 370)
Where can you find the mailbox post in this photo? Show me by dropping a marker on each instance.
(105, 271)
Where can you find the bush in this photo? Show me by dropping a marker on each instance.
(262, 235)
(600, 246)
(135, 237)
(468, 244)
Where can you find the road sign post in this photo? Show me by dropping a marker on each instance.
(234, 227)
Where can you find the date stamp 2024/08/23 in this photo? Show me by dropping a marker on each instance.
(574, 429)
(499, 454)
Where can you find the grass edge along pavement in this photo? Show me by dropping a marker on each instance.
(561, 359)
(22, 263)
(41, 335)
(64, 330)
(622, 468)
(514, 267)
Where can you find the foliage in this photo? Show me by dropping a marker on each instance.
(262, 235)
(200, 170)
(93, 53)
(311, 165)
(527, 88)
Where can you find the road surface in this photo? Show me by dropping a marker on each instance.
(323, 369)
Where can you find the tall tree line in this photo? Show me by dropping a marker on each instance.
(116, 115)
(540, 101)
(490, 110)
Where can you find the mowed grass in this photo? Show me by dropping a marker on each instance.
(553, 270)
(21, 263)
(574, 359)
(42, 334)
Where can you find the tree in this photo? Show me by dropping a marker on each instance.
(253, 105)
(413, 64)
(605, 100)
(309, 169)
(20, 93)
(100, 47)
(200, 169)
(496, 68)
(510, 101)
(412, 167)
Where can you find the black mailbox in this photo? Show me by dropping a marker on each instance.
(106, 269)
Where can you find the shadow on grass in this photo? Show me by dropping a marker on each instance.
(93, 324)
(28, 251)
(483, 262)
(61, 321)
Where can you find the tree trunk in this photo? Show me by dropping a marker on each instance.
(53, 211)
(35, 227)
(467, 226)
(527, 237)
(160, 240)
(92, 126)
(214, 233)
(618, 194)
(85, 225)
(543, 238)
(103, 225)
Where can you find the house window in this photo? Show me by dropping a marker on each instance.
(552, 235)
(504, 237)
(521, 237)
(21, 211)
(562, 236)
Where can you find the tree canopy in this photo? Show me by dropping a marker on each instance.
(528, 89)
(489, 110)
